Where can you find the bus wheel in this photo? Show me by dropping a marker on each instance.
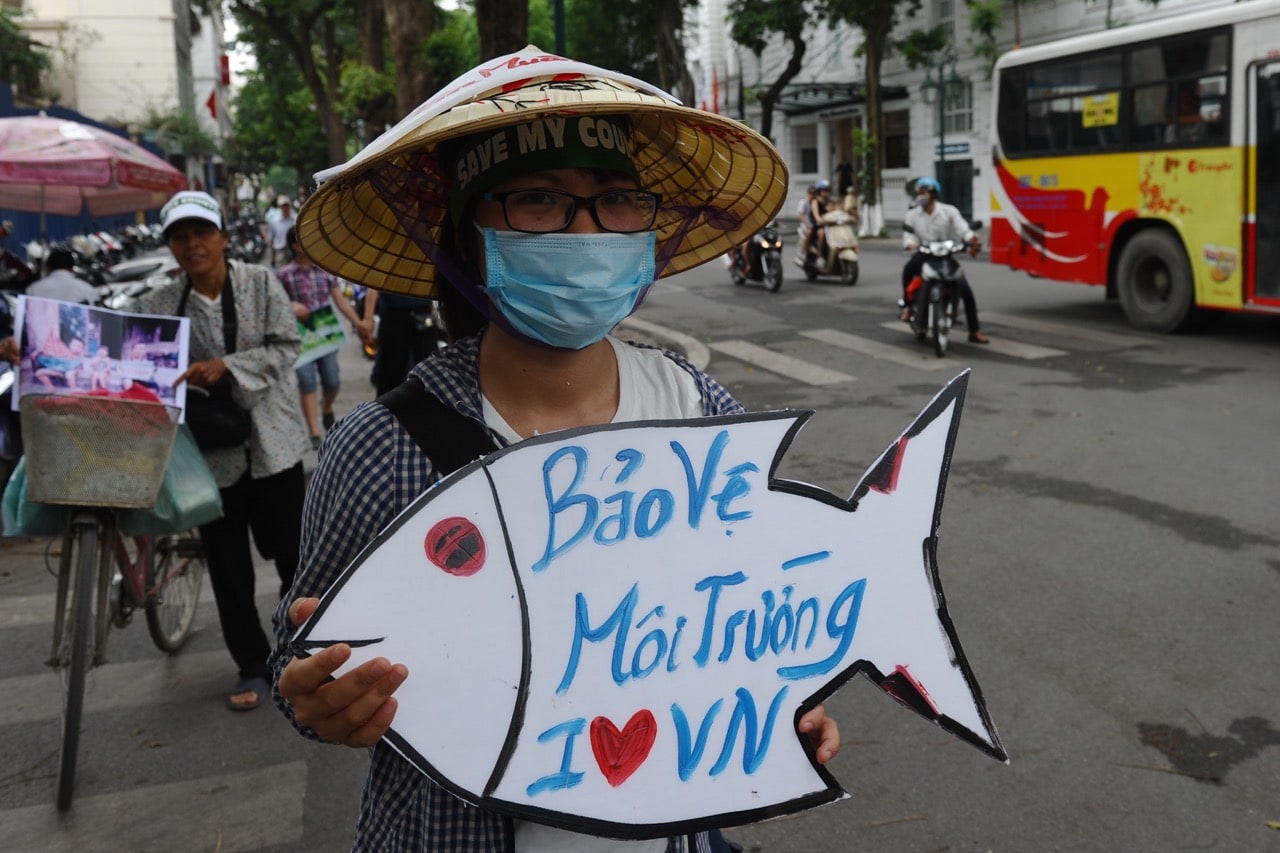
(1154, 282)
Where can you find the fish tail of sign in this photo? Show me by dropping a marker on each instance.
(941, 686)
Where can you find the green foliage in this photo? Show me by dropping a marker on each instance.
(752, 22)
(283, 180)
(922, 46)
(542, 24)
(275, 124)
(177, 133)
(454, 45)
(20, 59)
(363, 90)
(985, 20)
(612, 34)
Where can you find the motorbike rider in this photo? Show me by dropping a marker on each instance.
(929, 220)
(818, 205)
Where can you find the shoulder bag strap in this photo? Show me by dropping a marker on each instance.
(449, 438)
(229, 324)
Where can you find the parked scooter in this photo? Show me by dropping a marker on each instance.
(838, 252)
(759, 259)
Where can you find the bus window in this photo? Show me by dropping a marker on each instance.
(1150, 114)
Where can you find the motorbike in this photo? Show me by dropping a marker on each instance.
(246, 240)
(934, 311)
(759, 259)
(838, 254)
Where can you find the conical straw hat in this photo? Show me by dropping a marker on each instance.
(376, 219)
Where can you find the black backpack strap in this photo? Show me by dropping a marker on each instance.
(229, 324)
(449, 438)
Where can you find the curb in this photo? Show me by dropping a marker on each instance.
(692, 348)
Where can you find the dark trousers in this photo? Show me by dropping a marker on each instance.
(912, 269)
(400, 347)
(270, 507)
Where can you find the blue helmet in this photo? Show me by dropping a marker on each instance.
(927, 183)
(822, 185)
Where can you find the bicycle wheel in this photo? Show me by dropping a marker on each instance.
(80, 556)
(174, 578)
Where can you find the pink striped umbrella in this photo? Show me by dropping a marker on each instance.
(51, 165)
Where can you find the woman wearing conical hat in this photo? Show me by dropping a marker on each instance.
(539, 199)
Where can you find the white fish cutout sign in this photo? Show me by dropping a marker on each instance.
(614, 630)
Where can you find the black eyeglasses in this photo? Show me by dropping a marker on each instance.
(541, 211)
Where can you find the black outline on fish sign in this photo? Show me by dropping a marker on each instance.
(899, 684)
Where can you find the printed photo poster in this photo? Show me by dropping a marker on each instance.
(322, 333)
(75, 349)
(614, 630)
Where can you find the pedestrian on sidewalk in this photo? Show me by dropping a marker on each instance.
(311, 289)
(61, 282)
(261, 480)
(536, 256)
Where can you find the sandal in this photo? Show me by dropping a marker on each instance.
(256, 685)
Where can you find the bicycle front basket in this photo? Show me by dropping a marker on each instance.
(95, 451)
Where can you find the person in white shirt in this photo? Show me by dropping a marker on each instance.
(929, 220)
(61, 283)
(280, 229)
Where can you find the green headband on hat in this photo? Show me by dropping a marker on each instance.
(480, 161)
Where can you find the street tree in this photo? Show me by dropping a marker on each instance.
(637, 37)
(503, 26)
(410, 24)
(877, 20)
(21, 59)
(309, 30)
(275, 120)
(752, 23)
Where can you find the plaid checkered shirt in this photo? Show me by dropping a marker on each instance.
(370, 470)
(309, 285)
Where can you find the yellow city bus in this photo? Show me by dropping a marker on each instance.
(1146, 159)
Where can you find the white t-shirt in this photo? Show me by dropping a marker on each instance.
(65, 286)
(651, 386)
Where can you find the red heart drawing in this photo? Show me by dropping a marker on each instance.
(619, 753)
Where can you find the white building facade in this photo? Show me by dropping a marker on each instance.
(812, 127)
(121, 61)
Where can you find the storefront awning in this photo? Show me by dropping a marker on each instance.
(802, 98)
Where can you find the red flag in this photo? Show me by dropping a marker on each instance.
(212, 103)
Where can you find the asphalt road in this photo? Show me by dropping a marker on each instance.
(1108, 549)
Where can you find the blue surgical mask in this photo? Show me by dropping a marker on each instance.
(567, 290)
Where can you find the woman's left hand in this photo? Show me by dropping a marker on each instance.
(203, 373)
(822, 731)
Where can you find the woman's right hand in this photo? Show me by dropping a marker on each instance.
(357, 708)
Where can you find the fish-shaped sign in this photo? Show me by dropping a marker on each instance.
(615, 629)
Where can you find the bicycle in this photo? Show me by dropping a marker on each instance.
(100, 454)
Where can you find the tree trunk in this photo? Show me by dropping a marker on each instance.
(673, 70)
(875, 126)
(410, 23)
(335, 132)
(503, 27)
(373, 34)
(770, 97)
